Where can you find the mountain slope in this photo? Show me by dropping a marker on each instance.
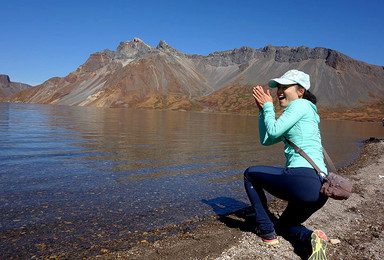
(335, 78)
(138, 75)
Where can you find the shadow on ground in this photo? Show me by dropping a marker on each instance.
(243, 218)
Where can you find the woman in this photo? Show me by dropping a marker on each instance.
(298, 183)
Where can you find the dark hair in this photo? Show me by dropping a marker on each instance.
(309, 96)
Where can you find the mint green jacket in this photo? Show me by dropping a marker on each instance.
(299, 123)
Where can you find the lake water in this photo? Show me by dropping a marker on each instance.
(74, 178)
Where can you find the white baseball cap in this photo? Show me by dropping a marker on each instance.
(291, 77)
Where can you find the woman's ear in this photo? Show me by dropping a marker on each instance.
(301, 91)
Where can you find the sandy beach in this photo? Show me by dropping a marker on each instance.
(354, 227)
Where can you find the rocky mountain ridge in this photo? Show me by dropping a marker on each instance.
(7, 88)
(137, 48)
(140, 76)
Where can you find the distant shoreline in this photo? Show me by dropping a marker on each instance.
(355, 116)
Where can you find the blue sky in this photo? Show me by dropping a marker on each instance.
(43, 39)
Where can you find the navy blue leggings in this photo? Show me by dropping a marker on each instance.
(299, 186)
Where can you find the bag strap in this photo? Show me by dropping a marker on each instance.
(329, 161)
(302, 153)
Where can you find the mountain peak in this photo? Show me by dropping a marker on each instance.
(131, 49)
(137, 40)
(163, 46)
(7, 87)
(136, 43)
(136, 49)
(4, 79)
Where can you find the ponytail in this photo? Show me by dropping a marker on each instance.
(309, 96)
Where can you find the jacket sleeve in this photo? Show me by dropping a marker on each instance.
(271, 130)
(266, 139)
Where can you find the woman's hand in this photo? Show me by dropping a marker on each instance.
(261, 97)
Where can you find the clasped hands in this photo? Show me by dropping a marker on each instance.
(261, 97)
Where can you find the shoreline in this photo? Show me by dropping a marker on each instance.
(355, 226)
(337, 116)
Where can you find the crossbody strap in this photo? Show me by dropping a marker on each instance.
(329, 161)
(302, 153)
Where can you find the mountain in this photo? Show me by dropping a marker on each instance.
(7, 88)
(140, 76)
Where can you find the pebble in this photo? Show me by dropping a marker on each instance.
(104, 251)
(335, 241)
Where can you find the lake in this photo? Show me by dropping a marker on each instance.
(74, 178)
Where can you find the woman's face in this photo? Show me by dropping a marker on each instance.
(287, 93)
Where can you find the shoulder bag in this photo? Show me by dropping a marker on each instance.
(333, 185)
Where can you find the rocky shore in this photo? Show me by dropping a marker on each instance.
(354, 227)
